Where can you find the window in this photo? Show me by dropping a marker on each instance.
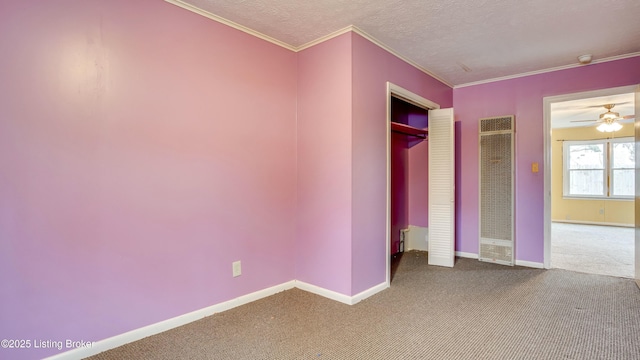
(623, 169)
(599, 168)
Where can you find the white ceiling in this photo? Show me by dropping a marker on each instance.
(490, 38)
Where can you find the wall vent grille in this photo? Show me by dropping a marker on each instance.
(497, 190)
(502, 123)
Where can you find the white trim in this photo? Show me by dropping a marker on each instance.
(350, 28)
(547, 101)
(387, 235)
(411, 97)
(600, 223)
(544, 71)
(230, 23)
(153, 329)
(368, 293)
(525, 263)
(466, 255)
(636, 217)
(324, 38)
(546, 186)
(329, 294)
(345, 299)
(531, 264)
(355, 29)
(360, 32)
(393, 89)
(396, 54)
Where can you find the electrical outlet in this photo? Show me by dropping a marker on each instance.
(237, 268)
(601, 211)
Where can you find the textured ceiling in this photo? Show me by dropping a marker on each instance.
(488, 38)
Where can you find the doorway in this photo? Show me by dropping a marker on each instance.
(407, 174)
(589, 183)
(409, 154)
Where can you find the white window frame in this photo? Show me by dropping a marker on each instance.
(607, 172)
(611, 168)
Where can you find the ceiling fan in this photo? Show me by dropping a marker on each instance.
(609, 120)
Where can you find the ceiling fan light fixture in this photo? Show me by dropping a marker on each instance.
(609, 126)
(609, 115)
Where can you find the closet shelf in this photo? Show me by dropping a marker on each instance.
(408, 130)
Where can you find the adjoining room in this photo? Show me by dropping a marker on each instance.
(593, 183)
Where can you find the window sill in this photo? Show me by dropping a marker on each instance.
(630, 198)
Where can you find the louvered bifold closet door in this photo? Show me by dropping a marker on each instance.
(441, 188)
(497, 190)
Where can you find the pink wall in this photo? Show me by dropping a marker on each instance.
(341, 241)
(372, 68)
(323, 251)
(143, 149)
(522, 97)
(399, 188)
(419, 184)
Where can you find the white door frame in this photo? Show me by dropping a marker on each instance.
(547, 152)
(636, 239)
(410, 97)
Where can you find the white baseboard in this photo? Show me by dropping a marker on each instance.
(593, 223)
(367, 293)
(531, 264)
(323, 292)
(466, 255)
(153, 329)
(345, 299)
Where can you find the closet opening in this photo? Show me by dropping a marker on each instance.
(408, 172)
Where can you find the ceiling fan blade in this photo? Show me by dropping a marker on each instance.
(616, 104)
(582, 120)
(632, 116)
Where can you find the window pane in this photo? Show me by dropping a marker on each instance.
(586, 182)
(589, 156)
(623, 182)
(623, 155)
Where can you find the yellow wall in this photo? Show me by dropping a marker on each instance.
(595, 211)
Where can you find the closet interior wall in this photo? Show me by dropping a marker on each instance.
(409, 172)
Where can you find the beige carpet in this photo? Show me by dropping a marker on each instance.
(473, 311)
(593, 249)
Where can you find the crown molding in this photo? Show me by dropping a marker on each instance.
(230, 23)
(544, 71)
(360, 32)
(355, 29)
(325, 38)
(350, 28)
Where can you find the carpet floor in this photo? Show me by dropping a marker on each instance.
(593, 249)
(475, 310)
